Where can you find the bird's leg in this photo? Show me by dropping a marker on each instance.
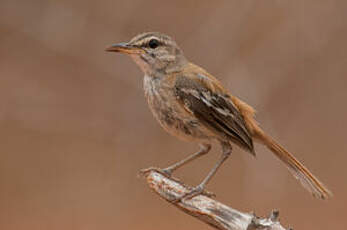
(226, 151)
(204, 149)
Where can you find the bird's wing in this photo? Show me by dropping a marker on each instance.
(204, 97)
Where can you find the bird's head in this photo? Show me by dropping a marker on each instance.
(155, 53)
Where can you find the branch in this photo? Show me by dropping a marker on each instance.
(206, 209)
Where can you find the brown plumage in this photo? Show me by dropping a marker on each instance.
(193, 105)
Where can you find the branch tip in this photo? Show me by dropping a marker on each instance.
(274, 215)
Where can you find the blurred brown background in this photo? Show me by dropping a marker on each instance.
(75, 128)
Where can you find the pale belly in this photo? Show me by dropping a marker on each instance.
(171, 115)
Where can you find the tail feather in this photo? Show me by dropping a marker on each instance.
(298, 170)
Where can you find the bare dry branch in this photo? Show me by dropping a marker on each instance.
(206, 209)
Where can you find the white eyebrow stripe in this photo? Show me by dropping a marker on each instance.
(150, 38)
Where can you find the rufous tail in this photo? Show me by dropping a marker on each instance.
(299, 171)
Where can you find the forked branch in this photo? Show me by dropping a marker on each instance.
(206, 209)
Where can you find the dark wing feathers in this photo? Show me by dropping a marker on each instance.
(214, 110)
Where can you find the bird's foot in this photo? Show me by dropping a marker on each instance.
(166, 172)
(198, 190)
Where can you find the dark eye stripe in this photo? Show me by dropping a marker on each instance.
(145, 41)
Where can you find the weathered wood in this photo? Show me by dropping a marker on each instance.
(206, 209)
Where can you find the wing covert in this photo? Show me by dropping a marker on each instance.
(213, 109)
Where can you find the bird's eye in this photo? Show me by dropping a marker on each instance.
(153, 43)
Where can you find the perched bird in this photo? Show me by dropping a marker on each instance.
(192, 105)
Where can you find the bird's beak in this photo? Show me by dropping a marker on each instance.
(124, 47)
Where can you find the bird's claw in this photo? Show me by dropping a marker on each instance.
(198, 190)
(165, 172)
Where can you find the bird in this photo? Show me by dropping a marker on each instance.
(194, 106)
